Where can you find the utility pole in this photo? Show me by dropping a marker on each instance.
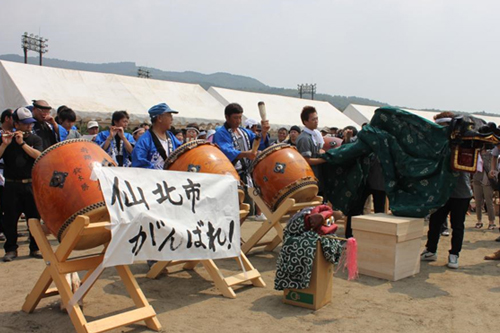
(34, 43)
(306, 89)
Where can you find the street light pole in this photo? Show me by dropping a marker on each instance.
(143, 73)
(306, 89)
(34, 43)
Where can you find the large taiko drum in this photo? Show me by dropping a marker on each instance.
(63, 190)
(331, 142)
(202, 156)
(280, 172)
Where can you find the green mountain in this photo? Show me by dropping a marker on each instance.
(222, 80)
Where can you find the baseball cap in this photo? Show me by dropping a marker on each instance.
(249, 123)
(23, 115)
(159, 109)
(92, 124)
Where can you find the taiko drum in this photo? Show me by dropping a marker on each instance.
(331, 143)
(280, 172)
(202, 156)
(63, 190)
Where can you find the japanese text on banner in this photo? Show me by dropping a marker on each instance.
(169, 215)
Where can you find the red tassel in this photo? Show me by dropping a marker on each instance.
(349, 259)
(352, 259)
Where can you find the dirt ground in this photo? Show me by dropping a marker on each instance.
(437, 299)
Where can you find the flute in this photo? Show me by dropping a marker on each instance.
(12, 134)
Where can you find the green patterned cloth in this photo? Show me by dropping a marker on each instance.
(295, 260)
(415, 157)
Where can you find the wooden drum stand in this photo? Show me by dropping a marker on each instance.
(274, 219)
(224, 284)
(58, 265)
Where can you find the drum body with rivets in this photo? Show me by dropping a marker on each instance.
(63, 190)
(202, 156)
(280, 172)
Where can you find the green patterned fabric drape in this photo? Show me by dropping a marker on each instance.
(295, 260)
(415, 157)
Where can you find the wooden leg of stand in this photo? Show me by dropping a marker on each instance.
(71, 238)
(258, 282)
(52, 273)
(218, 279)
(244, 211)
(89, 272)
(273, 220)
(57, 267)
(43, 283)
(38, 292)
(157, 269)
(75, 312)
(277, 240)
(137, 296)
(273, 244)
(256, 237)
(190, 265)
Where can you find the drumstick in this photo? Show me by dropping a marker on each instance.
(256, 143)
(262, 111)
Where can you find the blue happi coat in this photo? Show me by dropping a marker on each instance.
(224, 140)
(145, 154)
(100, 139)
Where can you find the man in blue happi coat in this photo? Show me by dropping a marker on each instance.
(116, 142)
(154, 146)
(236, 143)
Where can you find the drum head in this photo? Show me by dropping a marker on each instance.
(182, 149)
(331, 143)
(266, 152)
(62, 188)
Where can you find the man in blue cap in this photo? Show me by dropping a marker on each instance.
(19, 151)
(154, 146)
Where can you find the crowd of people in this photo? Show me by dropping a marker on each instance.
(27, 131)
(479, 186)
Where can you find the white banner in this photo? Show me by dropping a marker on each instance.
(169, 215)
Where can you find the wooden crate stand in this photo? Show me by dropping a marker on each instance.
(319, 292)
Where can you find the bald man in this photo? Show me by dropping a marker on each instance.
(45, 127)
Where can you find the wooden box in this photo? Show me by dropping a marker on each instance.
(319, 292)
(388, 246)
